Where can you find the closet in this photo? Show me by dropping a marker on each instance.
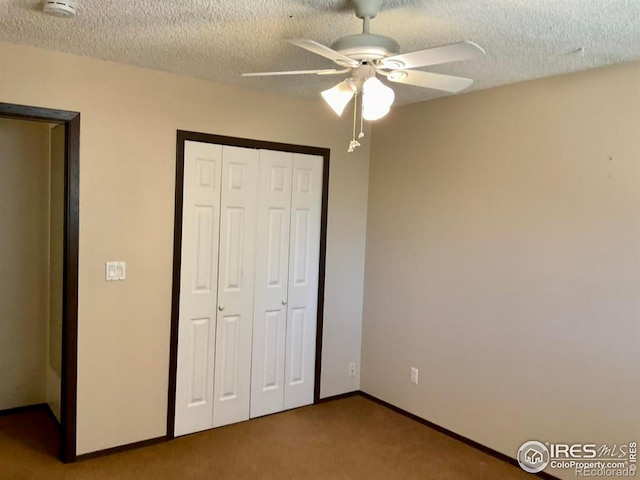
(248, 284)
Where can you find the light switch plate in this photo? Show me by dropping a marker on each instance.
(114, 271)
(414, 375)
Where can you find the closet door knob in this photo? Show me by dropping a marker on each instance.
(284, 302)
(221, 307)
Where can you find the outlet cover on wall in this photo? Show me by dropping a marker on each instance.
(414, 375)
(352, 369)
(114, 271)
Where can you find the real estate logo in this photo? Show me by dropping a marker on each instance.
(533, 456)
(585, 459)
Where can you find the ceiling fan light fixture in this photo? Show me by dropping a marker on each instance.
(366, 55)
(372, 113)
(377, 99)
(339, 96)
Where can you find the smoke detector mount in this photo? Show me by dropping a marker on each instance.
(60, 8)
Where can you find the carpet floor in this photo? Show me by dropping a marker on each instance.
(350, 438)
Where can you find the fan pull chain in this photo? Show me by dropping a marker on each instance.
(361, 135)
(355, 114)
(354, 143)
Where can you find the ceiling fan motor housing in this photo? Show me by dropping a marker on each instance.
(60, 8)
(366, 46)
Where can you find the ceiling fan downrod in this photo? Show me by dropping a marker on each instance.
(366, 21)
(366, 10)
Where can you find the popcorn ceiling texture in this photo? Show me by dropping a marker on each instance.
(218, 40)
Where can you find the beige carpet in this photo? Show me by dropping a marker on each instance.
(351, 438)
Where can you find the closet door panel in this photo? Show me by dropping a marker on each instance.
(306, 210)
(198, 287)
(240, 169)
(272, 272)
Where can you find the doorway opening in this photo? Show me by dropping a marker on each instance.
(39, 187)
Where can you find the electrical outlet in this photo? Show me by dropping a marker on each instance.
(352, 369)
(414, 375)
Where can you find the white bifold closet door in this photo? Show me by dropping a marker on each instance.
(216, 289)
(198, 287)
(286, 301)
(304, 261)
(249, 283)
(236, 264)
(272, 285)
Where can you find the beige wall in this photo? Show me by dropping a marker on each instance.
(24, 255)
(56, 246)
(128, 141)
(56, 265)
(503, 260)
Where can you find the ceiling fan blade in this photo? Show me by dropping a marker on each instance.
(453, 52)
(328, 71)
(436, 81)
(323, 51)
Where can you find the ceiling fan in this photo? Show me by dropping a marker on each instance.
(366, 55)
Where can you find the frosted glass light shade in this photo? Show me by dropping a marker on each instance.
(339, 96)
(375, 112)
(377, 99)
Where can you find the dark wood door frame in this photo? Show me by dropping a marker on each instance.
(69, 377)
(184, 136)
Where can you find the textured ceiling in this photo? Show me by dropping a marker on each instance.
(217, 40)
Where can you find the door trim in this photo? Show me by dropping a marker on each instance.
(182, 137)
(69, 377)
